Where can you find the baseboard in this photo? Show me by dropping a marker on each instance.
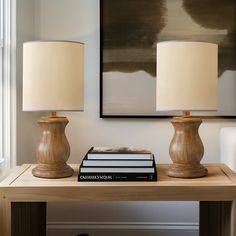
(125, 228)
(122, 225)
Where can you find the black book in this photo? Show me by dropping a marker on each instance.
(93, 177)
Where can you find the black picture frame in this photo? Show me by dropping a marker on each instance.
(126, 28)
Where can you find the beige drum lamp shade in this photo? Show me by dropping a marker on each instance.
(53, 76)
(186, 76)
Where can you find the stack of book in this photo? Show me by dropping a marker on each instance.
(118, 164)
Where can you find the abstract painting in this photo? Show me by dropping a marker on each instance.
(129, 31)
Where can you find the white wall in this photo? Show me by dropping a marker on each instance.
(79, 20)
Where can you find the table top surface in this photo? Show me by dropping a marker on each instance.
(219, 184)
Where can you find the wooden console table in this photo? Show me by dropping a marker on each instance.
(24, 198)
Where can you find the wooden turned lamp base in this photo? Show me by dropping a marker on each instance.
(53, 150)
(186, 149)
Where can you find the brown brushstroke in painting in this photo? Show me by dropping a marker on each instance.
(217, 14)
(128, 25)
(130, 31)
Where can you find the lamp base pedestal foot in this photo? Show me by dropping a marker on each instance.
(187, 171)
(52, 171)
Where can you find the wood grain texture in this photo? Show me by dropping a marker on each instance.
(186, 149)
(215, 218)
(28, 218)
(53, 150)
(219, 185)
(5, 216)
(233, 218)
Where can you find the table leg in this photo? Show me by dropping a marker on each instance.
(233, 218)
(217, 218)
(5, 216)
(28, 218)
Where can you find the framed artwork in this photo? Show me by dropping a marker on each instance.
(129, 31)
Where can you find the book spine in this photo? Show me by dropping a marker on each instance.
(117, 177)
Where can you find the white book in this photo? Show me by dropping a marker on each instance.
(116, 170)
(117, 163)
(119, 153)
(119, 156)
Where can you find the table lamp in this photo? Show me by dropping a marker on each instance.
(53, 81)
(186, 81)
